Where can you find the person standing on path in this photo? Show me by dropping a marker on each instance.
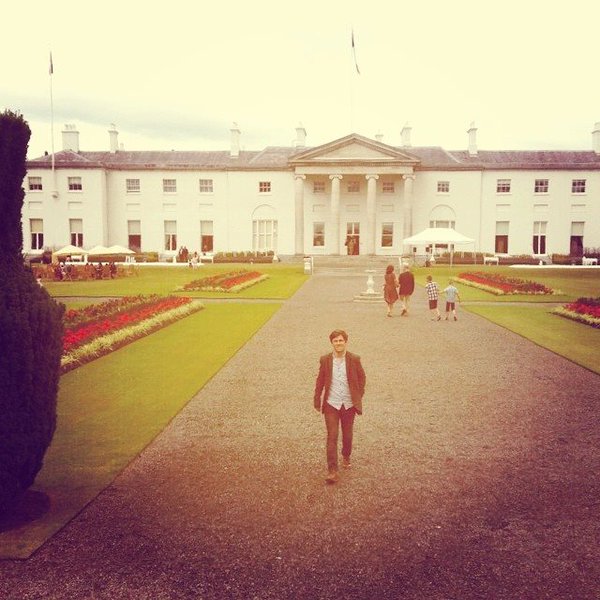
(339, 390)
(390, 291)
(452, 296)
(433, 294)
(406, 283)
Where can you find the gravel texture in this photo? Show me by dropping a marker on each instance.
(475, 474)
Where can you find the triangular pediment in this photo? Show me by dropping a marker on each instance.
(353, 148)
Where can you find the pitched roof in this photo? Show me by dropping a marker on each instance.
(280, 157)
(269, 158)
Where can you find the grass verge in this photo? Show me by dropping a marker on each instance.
(109, 410)
(282, 282)
(575, 341)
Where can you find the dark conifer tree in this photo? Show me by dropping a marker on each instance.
(30, 333)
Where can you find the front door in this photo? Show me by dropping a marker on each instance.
(353, 238)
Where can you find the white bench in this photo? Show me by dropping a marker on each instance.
(207, 257)
(491, 260)
(589, 261)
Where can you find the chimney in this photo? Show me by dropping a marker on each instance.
(596, 138)
(379, 136)
(405, 134)
(472, 131)
(300, 136)
(235, 140)
(70, 138)
(113, 137)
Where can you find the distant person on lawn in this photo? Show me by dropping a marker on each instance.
(433, 294)
(452, 296)
(406, 283)
(339, 390)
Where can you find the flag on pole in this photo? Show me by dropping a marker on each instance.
(51, 69)
(354, 53)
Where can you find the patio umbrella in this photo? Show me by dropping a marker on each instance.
(98, 250)
(68, 250)
(119, 250)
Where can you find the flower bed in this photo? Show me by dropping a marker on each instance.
(99, 329)
(584, 310)
(93, 312)
(501, 284)
(234, 281)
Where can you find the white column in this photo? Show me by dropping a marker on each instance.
(299, 204)
(334, 234)
(371, 196)
(407, 205)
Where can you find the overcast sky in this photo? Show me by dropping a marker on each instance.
(176, 77)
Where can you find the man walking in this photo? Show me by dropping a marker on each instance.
(339, 390)
(406, 286)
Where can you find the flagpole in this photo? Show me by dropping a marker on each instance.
(51, 73)
(355, 73)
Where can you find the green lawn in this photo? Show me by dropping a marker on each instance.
(110, 409)
(578, 342)
(283, 281)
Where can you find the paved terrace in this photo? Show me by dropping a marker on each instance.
(475, 474)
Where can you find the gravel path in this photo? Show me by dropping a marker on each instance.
(475, 474)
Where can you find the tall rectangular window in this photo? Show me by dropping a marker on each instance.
(76, 229)
(169, 186)
(206, 186)
(264, 235)
(35, 184)
(578, 186)
(501, 246)
(353, 186)
(132, 186)
(387, 235)
(319, 234)
(134, 235)
(264, 187)
(443, 187)
(577, 238)
(388, 187)
(206, 236)
(75, 184)
(541, 186)
(539, 237)
(36, 227)
(318, 187)
(170, 235)
(503, 186)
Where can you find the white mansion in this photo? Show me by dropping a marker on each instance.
(300, 200)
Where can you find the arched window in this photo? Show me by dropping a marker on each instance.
(442, 215)
(264, 229)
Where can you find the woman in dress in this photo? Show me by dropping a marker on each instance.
(390, 289)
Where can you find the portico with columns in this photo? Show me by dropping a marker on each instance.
(353, 188)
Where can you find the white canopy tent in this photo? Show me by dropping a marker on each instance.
(439, 235)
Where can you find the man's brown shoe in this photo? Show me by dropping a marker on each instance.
(346, 462)
(332, 477)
